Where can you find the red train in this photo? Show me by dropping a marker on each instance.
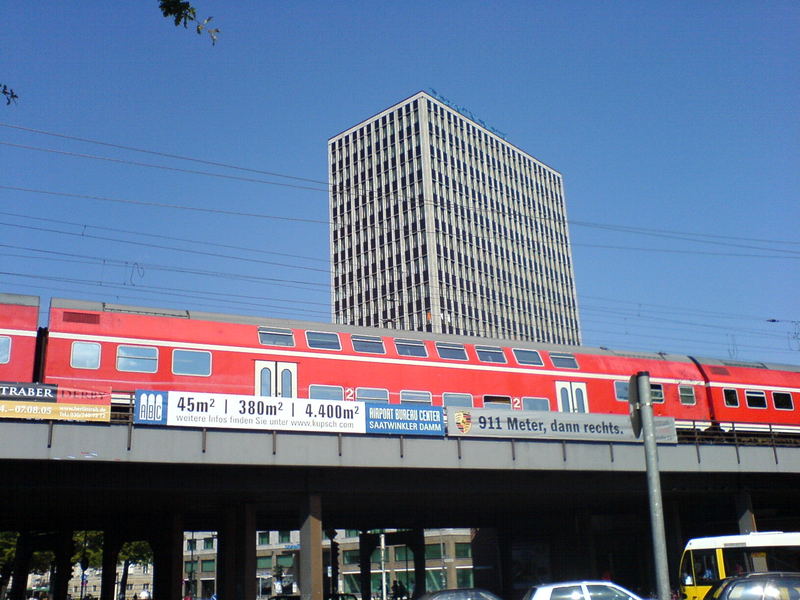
(95, 345)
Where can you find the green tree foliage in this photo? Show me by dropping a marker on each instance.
(183, 13)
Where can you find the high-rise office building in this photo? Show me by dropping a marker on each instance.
(439, 224)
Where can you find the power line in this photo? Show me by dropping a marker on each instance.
(162, 167)
(164, 154)
(156, 236)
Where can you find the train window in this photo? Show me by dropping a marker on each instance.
(415, 396)
(326, 392)
(564, 361)
(782, 400)
(323, 341)
(5, 349)
(535, 404)
(368, 343)
(755, 399)
(452, 351)
(528, 357)
(656, 393)
(686, 394)
(191, 362)
(85, 355)
(138, 359)
(372, 395)
(456, 399)
(275, 337)
(503, 402)
(731, 398)
(410, 348)
(621, 391)
(491, 354)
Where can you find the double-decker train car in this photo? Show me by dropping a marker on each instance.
(19, 323)
(90, 344)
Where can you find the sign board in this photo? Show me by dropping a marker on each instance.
(230, 411)
(46, 402)
(487, 422)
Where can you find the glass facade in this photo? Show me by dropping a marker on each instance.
(438, 224)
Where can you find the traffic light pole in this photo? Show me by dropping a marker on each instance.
(642, 403)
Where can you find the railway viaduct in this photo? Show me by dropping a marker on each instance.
(144, 482)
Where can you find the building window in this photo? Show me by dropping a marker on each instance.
(372, 395)
(731, 398)
(456, 399)
(434, 551)
(189, 566)
(490, 354)
(208, 566)
(323, 341)
(284, 560)
(325, 392)
(137, 359)
(85, 355)
(191, 545)
(284, 537)
(350, 557)
(208, 543)
(415, 396)
(528, 357)
(263, 538)
(463, 550)
(451, 351)
(351, 533)
(686, 394)
(270, 336)
(263, 562)
(755, 399)
(368, 343)
(410, 348)
(535, 404)
(191, 362)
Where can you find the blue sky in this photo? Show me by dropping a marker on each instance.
(676, 126)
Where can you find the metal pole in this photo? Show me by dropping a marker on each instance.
(383, 567)
(654, 487)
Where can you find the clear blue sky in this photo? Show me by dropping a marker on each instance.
(676, 126)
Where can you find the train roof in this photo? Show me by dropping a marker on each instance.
(67, 304)
(19, 300)
(730, 362)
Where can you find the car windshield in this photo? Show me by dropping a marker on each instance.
(463, 594)
(778, 588)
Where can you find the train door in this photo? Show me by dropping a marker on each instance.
(276, 379)
(572, 397)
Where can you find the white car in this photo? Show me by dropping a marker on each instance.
(580, 590)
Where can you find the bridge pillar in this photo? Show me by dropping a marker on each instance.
(112, 542)
(167, 544)
(236, 554)
(64, 548)
(744, 512)
(367, 542)
(22, 563)
(311, 586)
(417, 545)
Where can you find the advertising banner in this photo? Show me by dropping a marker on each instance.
(228, 411)
(45, 402)
(487, 422)
(405, 419)
(231, 411)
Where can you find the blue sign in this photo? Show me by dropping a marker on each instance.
(405, 419)
(150, 408)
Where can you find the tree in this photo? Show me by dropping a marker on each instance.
(8, 546)
(183, 13)
(133, 553)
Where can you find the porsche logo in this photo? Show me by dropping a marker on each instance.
(463, 421)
